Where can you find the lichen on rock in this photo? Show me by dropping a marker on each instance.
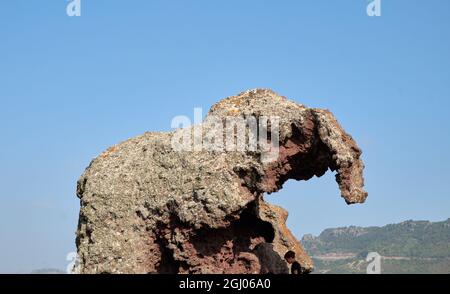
(147, 208)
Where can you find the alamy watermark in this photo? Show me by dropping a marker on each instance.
(374, 8)
(74, 262)
(73, 8)
(228, 134)
(374, 266)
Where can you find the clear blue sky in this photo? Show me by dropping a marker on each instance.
(71, 87)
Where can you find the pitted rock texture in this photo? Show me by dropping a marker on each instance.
(147, 208)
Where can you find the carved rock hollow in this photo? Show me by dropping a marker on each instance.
(147, 208)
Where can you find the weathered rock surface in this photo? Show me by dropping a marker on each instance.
(146, 208)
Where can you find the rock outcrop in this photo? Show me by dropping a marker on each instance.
(147, 208)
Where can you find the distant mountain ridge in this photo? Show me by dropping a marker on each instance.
(406, 247)
(46, 271)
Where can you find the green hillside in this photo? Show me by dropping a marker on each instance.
(407, 247)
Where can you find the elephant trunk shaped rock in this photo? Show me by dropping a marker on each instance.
(148, 206)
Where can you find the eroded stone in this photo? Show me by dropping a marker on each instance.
(146, 208)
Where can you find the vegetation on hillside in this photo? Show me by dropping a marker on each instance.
(407, 247)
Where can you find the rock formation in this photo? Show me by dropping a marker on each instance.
(147, 208)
